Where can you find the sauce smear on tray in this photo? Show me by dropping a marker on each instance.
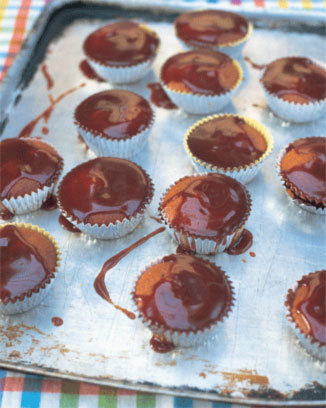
(242, 245)
(159, 97)
(89, 72)
(160, 344)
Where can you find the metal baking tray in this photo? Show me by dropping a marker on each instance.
(256, 360)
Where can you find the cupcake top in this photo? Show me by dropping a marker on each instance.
(183, 293)
(27, 165)
(295, 79)
(226, 141)
(307, 306)
(28, 260)
(123, 43)
(202, 72)
(303, 169)
(115, 114)
(211, 28)
(206, 206)
(104, 190)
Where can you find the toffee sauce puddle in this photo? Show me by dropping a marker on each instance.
(242, 245)
(57, 321)
(89, 72)
(99, 284)
(159, 97)
(160, 344)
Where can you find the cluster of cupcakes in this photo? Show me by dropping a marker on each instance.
(181, 296)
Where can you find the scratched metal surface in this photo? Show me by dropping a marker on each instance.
(256, 359)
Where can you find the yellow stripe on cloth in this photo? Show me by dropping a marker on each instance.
(3, 7)
(283, 4)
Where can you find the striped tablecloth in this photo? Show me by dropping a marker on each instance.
(30, 391)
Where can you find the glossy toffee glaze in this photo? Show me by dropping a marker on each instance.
(307, 306)
(203, 71)
(295, 79)
(99, 284)
(104, 190)
(210, 28)
(160, 344)
(68, 226)
(242, 245)
(183, 293)
(27, 260)
(303, 169)
(114, 114)
(120, 44)
(159, 97)
(26, 166)
(227, 141)
(57, 321)
(206, 206)
(89, 72)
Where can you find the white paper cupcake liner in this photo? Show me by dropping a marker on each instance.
(203, 246)
(312, 347)
(123, 148)
(35, 298)
(182, 338)
(121, 75)
(296, 200)
(242, 174)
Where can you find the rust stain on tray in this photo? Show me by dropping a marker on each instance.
(245, 375)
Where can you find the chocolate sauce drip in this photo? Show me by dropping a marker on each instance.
(99, 283)
(67, 225)
(204, 71)
(115, 114)
(252, 254)
(242, 245)
(49, 79)
(156, 219)
(160, 344)
(89, 72)
(159, 97)
(26, 165)
(295, 79)
(50, 204)
(254, 65)
(123, 43)
(57, 321)
(227, 141)
(209, 28)
(23, 266)
(45, 130)
(5, 214)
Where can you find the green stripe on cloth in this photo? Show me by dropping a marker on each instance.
(69, 400)
(146, 401)
(107, 401)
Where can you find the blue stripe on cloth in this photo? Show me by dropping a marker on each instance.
(3, 374)
(221, 405)
(180, 402)
(31, 395)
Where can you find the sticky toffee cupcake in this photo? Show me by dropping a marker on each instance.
(205, 213)
(201, 81)
(228, 144)
(295, 88)
(122, 51)
(213, 29)
(184, 298)
(114, 123)
(105, 197)
(29, 259)
(29, 170)
(306, 307)
(302, 169)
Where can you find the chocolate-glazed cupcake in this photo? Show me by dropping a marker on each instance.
(295, 88)
(29, 259)
(122, 51)
(201, 81)
(233, 145)
(302, 168)
(213, 29)
(29, 170)
(106, 197)
(306, 307)
(205, 213)
(114, 122)
(184, 298)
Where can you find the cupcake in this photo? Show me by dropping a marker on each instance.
(29, 259)
(306, 306)
(228, 144)
(29, 170)
(122, 51)
(201, 81)
(295, 88)
(114, 123)
(214, 29)
(184, 298)
(105, 197)
(302, 168)
(205, 213)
